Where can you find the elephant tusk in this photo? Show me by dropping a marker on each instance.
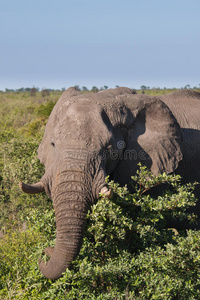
(31, 188)
(106, 192)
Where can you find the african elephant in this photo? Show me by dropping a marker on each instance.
(90, 136)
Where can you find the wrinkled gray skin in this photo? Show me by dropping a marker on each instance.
(90, 136)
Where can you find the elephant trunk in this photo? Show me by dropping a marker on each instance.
(71, 197)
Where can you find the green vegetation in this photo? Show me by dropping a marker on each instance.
(127, 253)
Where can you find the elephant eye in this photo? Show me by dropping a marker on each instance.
(53, 144)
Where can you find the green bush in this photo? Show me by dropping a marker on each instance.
(45, 109)
(35, 128)
(127, 252)
(18, 162)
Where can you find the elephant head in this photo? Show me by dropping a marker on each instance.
(90, 136)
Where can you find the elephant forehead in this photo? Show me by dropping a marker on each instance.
(83, 121)
(82, 116)
(84, 107)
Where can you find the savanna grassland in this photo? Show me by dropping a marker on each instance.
(127, 252)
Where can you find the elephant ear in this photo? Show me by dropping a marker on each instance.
(156, 138)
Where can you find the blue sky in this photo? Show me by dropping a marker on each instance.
(62, 43)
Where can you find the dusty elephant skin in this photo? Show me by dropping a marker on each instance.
(90, 136)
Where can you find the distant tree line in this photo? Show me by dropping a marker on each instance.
(46, 92)
(187, 86)
(93, 89)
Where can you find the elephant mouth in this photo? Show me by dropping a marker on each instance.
(39, 188)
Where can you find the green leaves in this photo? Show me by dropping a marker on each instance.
(128, 251)
(145, 180)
